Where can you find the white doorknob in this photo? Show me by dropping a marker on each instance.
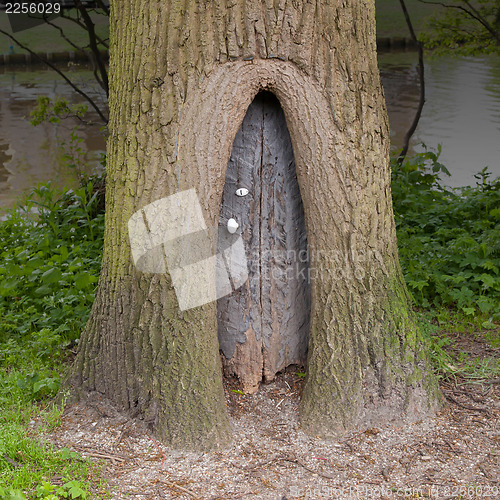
(232, 225)
(241, 192)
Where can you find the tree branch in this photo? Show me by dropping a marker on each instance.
(60, 73)
(102, 6)
(482, 20)
(98, 60)
(61, 32)
(473, 13)
(98, 78)
(421, 101)
(84, 27)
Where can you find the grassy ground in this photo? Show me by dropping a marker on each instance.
(390, 23)
(48, 271)
(30, 466)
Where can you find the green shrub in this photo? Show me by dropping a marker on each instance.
(50, 249)
(448, 239)
(49, 267)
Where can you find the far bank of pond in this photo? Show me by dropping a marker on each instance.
(462, 112)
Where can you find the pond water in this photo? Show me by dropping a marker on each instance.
(462, 112)
(28, 154)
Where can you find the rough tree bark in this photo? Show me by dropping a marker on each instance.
(182, 75)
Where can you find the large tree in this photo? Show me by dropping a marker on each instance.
(182, 76)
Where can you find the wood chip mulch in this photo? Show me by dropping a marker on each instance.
(455, 454)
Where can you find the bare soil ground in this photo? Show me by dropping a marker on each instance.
(453, 455)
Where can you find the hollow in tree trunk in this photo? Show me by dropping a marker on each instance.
(264, 325)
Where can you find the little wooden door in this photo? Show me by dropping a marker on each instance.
(263, 326)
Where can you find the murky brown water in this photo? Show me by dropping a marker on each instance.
(462, 112)
(28, 154)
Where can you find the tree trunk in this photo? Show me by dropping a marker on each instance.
(183, 74)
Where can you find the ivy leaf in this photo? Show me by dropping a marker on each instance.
(43, 290)
(84, 279)
(53, 275)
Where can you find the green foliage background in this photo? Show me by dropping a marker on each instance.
(51, 248)
(449, 240)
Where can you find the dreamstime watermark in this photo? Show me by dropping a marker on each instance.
(25, 15)
(308, 265)
(366, 491)
(207, 263)
(354, 492)
(171, 233)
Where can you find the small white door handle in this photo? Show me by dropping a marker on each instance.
(232, 226)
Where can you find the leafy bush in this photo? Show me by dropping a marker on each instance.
(50, 249)
(48, 273)
(448, 239)
(464, 29)
(49, 267)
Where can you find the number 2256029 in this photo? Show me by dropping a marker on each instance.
(32, 8)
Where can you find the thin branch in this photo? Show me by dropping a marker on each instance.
(103, 6)
(98, 59)
(483, 21)
(438, 3)
(98, 78)
(84, 27)
(172, 484)
(60, 73)
(61, 33)
(103, 41)
(421, 101)
(72, 19)
(471, 13)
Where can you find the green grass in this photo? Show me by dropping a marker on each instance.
(48, 273)
(27, 462)
(439, 336)
(45, 38)
(390, 23)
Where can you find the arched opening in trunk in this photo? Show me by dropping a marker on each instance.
(263, 326)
